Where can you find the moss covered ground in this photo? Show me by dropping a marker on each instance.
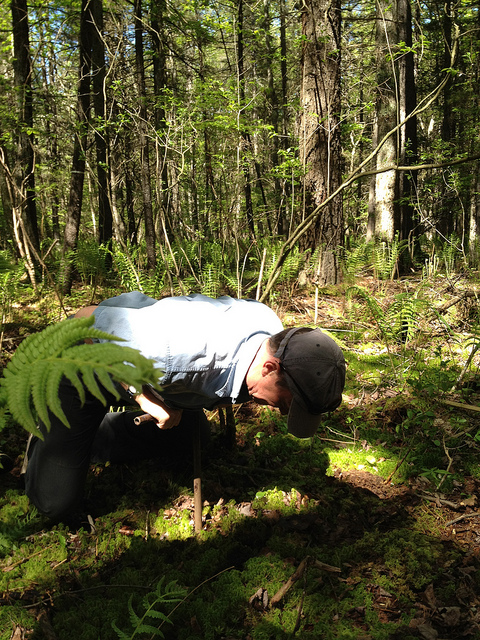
(369, 530)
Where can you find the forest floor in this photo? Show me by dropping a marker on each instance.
(370, 530)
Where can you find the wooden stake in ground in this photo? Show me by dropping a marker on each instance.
(197, 479)
(197, 470)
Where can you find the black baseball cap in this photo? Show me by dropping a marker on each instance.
(314, 368)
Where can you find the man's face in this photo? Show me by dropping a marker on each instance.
(267, 391)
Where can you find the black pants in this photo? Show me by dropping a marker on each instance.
(58, 464)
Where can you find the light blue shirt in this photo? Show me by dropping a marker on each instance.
(201, 346)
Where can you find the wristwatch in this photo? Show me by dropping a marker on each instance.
(131, 392)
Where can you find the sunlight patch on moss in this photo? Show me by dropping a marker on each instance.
(372, 460)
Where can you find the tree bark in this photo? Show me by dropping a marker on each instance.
(157, 11)
(244, 142)
(396, 99)
(408, 140)
(105, 218)
(446, 219)
(386, 119)
(320, 144)
(77, 178)
(24, 165)
(143, 140)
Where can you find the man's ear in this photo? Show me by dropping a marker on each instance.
(270, 365)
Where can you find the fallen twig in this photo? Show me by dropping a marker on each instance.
(298, 573)
(461, 405)
(10, 567)
(450, 462)
(462, 517)
(397, 466)
(466, 294)
(440, 501)
(300, 606)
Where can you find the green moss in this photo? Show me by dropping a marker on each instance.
(12, 616)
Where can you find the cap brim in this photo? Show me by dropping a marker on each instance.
(301, 423)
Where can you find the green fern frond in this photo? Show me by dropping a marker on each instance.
(153, 613)
(147, 628)
(90, 260)
(356, 260)
(121, 634)
(29, 387)
(160, 596)
(134, 618)
(373, 304)
(472, 341)
(212, 280)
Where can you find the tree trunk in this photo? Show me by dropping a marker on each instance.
(143, 140)
(283, 72)
(446, 219)
(105, 218)
(320, 132)
(244, 143)
(396, 99)
(386, 119)
(77, 178)
(53, 155)
(6, 229)
(24, 166)
(157, 11)
(408, 141)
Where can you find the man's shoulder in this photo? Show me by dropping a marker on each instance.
(129, 300)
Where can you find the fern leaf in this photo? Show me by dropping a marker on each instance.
(90, 381)
(30, 382)
(50, 391)
(70, 371)
(134, 618)
(147, 628)
(121, 634)
(17, 390)
(153, 613)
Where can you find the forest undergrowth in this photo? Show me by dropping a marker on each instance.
(369, 530)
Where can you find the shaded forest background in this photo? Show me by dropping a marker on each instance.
(214, 145)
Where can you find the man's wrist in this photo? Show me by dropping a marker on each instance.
(132, 392)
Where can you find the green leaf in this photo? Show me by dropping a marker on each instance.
(147, 628)
(121, 634)
(134, 619)
(29, 387)
(153, 613)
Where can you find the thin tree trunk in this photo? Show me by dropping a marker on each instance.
(24, 166)
(77, 178)
(51, 125)
(408, 151)
(143, 140)
(105, 219)
(244, 143)
(157, 11)
(386, 118)
(372, 204)
(446, 221)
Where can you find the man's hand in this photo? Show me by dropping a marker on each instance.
(165, 417)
